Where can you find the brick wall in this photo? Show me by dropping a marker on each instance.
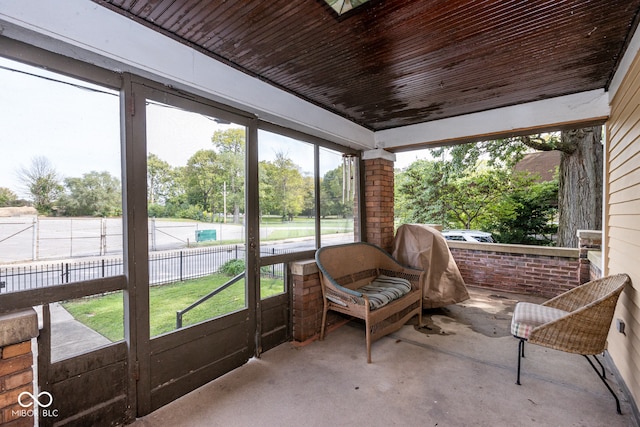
(16, 367)
(378, 194)
(589, 241)
(531, 270)
(16, 376)
(308, 302)
(595, 264)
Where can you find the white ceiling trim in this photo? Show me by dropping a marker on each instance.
(546, 114)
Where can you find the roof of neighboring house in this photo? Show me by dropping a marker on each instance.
(543, 163)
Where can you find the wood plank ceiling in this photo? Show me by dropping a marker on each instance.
(392, 63)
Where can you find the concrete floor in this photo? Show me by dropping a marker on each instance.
(459, 370)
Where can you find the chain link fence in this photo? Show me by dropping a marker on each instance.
(41, 238)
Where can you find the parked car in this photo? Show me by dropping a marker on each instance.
(468, 236)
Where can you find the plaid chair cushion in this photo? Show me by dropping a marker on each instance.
(385, 289)
(527, 316)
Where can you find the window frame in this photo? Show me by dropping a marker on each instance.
(317, 144)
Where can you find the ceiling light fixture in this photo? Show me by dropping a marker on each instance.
(343, 6)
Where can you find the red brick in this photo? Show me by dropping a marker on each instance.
(15, 364)
(10, 397)
(16, 349)
(16, 380)
(13, 413)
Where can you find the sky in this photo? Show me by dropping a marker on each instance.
(72, 127)
(405, 158)
(76, 126)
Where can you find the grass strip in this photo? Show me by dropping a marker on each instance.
(105, 315)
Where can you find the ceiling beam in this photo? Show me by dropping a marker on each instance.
(570, 111)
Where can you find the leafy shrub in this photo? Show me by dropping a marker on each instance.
(232, 268)
(156, 211)
(236, 266)
(190, 212)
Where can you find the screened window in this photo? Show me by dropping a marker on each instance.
(61, 198)
(308, 194)
(287, 194)
(196, 207)
(338, 185)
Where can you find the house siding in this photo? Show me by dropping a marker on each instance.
(622, 221)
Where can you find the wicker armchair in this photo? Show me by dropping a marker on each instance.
(362, 281)
(576, 321)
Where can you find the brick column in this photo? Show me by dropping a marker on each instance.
(588, 240)
(378, 197)
(308, 302)
(16, 367)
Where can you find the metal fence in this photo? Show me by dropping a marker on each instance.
(164, 267)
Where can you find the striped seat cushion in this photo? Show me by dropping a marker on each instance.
(385, 289)
(527, 316)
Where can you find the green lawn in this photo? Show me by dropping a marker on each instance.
(104, 314)
(303, 227)
(276, 229)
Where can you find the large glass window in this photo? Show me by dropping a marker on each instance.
(61, 197)
(338, 189)
(196, 205)
(290, 220)
(287, 194)
(60, 191)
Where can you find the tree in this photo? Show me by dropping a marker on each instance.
(309, 199)
(580, 177)
(442, 193)
(469, 196)
(7, 197)
(332, 194)
(526, 215)
(161, 180)
(42, 181)
(418, 195)
(94, 194)
(203, 180)
(581, 184)
(282, 188)
(231, 151)
(490, 198)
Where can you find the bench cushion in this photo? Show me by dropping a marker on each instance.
(527, 316)
(385, 289)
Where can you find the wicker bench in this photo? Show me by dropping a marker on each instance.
(363, 281)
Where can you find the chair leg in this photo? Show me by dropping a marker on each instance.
(520, 356)
(368, 338)
(604, 374)
(603, 379)
(325, 308)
